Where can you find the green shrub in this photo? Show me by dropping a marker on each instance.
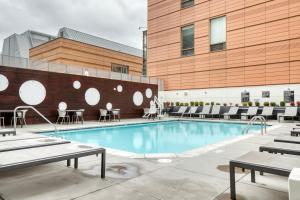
(212, 103)
(237, 105)
(196, 103)
(186, 104)
(177, 103)
(266, 103)
(207, 103)
(250, 103)
(225, 104)
(245, 104)
(273, 104)
(257, 104)
(218, 104)
(181, 104)
(192, 103)
(282, 103)
(201, 103)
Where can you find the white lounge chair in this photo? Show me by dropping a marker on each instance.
(215, 111)
(252, 111)
(180, 112)
(267, 112)
(192, 111)
(103, 114)
(233, 111)
(152, 112)
(290, 112)
(205, 111)
(146, 112)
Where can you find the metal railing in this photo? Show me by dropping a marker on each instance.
(263, 124)
(42, 65)
(32, 108)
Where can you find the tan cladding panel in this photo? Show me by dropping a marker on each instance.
(79, 54)
(263, 43)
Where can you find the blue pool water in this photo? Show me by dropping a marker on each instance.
(160, 137)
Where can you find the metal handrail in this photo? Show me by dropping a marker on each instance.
(159, 104)
(31, 107)
(263, 124)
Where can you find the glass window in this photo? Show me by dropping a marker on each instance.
(218, 34)
(289, 96)
(119, 68)
(265, 94)
(245, 97)
(187, 34)
(187, 3)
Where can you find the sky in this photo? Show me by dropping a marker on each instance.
(117, 20)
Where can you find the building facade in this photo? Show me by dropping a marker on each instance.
(75, 49)
(225, 51)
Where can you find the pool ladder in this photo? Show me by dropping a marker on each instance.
(35, 110)
(263, 124)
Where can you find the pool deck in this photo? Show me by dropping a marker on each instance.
(202, 176)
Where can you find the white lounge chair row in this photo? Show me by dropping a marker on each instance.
(215, 111)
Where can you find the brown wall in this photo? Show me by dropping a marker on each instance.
(75, 53)
(59, 88)
(263, 43)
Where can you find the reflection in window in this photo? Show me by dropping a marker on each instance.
(119, 68)
(218, 34)
(187, 34)
(187, 3)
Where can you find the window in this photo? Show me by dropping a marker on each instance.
(218, 34)
(289, 96)
(187, 43)
(119, 68)
(187, 3)
(265, 94)
(245, 97)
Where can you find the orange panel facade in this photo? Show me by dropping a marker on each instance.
(66, 51)
(262, 43)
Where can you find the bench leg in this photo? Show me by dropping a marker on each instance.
(103, 163)
(232, 182)
(252, 176)
(76, 163)
(68, 163)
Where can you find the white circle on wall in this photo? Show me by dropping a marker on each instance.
(32, 92)
(92, 96)
(77, 85)
(108, 106)
(138, 98)
(3, 83)
(62, 106)
(120, 88)
(148, 93)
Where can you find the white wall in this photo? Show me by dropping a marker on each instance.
(230, 95)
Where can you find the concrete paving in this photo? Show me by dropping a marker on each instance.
(204, 176)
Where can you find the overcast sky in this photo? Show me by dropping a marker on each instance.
(117, 20)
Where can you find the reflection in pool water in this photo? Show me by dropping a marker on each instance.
(160, 137)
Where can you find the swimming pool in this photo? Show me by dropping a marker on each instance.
(159, 137)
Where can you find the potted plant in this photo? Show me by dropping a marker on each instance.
(186, 104)
(177, 103)
(273, 104)
(201, 103)
(282, 103)
(245, 104)
(181, 104)
(196, 103)
(212, 103)
(192, 103)
(224, 104)
(207, 103)
(250, 103)
(218, 104)
(266, 103)
(257, 104)
(237, 105)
